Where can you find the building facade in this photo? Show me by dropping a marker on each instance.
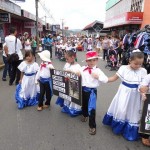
(122, 15)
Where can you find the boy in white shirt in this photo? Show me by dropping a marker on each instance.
(91, 78)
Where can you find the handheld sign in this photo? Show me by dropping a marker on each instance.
(145, 120)
(67, 86)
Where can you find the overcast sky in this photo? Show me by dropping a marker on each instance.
(76, 13)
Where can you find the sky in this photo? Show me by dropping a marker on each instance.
(76, 14)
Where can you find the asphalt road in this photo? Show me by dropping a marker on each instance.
(50, 129)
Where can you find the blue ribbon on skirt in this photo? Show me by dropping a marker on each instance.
(92, 98)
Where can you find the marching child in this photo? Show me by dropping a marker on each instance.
(145, 88)
(123, 114)
(44, 79)
(26, 91)
(91, 78)
(71, 66)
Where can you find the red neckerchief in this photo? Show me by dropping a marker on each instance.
(43, 65)
(89, 69)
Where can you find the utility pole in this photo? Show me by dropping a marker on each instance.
(62, 27)
(37, 32)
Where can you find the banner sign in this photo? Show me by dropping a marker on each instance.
(30, 24)
(5, 17)
(126, 18)
(67, 86)
(55, 27)
(145, 120)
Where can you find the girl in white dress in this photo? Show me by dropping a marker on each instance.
(26, 91)
(71, 66)
(124, 112)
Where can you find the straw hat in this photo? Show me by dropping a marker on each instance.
(45, 55)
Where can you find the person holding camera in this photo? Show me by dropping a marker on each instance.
(14, 55)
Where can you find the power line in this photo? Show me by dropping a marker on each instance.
(47, 11)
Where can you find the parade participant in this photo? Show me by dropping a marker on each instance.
(26, 91)
(145, 88)
(43, 77)
(105, 46)
(71, 66)
(7, 65)
(91, 78)
(89, 47)
(98, 45)
(34, 45)
(123, 114)
(27, 42)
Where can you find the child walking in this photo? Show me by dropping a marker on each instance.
(123, 114)
(71, 66)
(44, 79)
(91, 78)
(26, 91)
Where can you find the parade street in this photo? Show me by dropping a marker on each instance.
(50, 129)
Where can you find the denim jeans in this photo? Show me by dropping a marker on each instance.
(7, 68)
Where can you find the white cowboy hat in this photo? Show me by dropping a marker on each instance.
(45, 55)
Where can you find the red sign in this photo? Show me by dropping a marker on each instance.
(66, 28)
(126, 18)
(30, 24)
(134, 16)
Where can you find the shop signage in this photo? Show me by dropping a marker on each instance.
(66, 28)
(5, 17)
(111, 3)
(67, 85)
(55, 27)
(30, 24)
(126, 18)
(10, 7)
(40, 26)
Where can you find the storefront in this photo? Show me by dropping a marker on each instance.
(122, 15)
(7, 9)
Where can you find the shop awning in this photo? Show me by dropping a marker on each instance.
(91, 25)
(124, 19)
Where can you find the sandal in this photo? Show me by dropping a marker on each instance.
(146, 142)
(40, 108)
(84, 119)
(46, 106)
(92, 131)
